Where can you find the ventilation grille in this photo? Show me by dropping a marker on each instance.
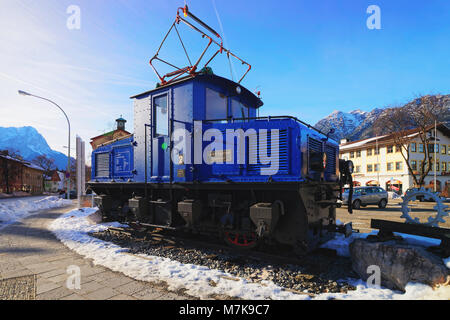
(282, 161)
(314, 146)
(102, 165)
(331, 160)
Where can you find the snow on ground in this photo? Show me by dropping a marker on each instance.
(12, 210)
(72, 229)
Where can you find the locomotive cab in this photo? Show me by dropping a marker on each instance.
(161, 113)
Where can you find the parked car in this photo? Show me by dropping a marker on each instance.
(363, 196)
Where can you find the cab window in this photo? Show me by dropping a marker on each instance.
(238, 110)
(161, 115)
(216, 105)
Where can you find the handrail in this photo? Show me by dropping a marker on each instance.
(266, 118)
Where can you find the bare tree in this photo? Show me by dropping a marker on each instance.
(414, 119)
(45, 163)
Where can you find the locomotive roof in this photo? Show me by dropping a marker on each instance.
(214, 79)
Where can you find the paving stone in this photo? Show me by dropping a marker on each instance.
(52, 273)
(55, 294)
(90, 287)
(130, 288)
(45, 287)
(61, 279)
(148, 294)
(102, 294)
(16, 273)
(41, 267)
(117, 281)
(99, 277)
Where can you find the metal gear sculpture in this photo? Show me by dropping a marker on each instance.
(427, 195)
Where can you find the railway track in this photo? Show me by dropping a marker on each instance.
(316, 273)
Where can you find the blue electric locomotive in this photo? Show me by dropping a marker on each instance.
(201, 160)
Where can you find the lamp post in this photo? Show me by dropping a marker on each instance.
(68, 123)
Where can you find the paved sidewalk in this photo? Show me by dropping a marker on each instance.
(28, 248)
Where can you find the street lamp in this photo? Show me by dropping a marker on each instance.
(23, 93)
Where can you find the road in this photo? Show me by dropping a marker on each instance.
(361, 218)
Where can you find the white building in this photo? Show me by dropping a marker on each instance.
(379, 162)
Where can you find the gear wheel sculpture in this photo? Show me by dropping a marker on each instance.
(440, 208)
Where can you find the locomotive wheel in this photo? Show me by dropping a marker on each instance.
(239, 239)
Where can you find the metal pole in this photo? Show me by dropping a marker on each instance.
(68, 124)
(435, 137)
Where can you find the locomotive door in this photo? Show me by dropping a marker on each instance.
(160, 138)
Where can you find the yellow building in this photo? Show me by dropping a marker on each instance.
(379, 162)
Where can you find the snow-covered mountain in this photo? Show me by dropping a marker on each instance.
(29, 143)
(351, 125)
(359, 124)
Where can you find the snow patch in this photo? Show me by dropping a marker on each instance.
(14, 210)
(72, 229)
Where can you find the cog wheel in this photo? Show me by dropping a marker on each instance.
(440, 207)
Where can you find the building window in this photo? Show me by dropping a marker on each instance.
(431, 148)
(444, 149)
(352, 155)
(414, 165)
(437, 166)
(398, 148)
(161, 115)
(358, 154)
(413, 147)
(369, 168)
(390, 149)
(398, 166)
(421, 149)
(444, 166)
(357, 169)
(390, 166)
(448, 150)
(376, 167)
(376, 151)
(369, 152)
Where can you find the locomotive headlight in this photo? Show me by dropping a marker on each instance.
(238, 90)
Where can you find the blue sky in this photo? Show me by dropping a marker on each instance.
(309, 58)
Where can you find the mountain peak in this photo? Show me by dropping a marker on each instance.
(358, 124)
(30, 144)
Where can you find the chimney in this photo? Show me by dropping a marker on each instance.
(121, 123)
